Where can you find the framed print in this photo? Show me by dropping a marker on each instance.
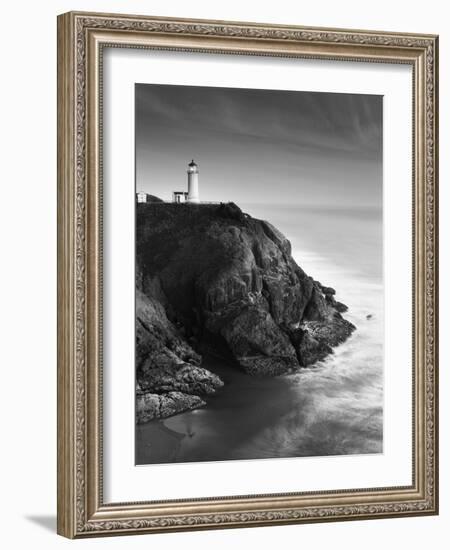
(247, 288)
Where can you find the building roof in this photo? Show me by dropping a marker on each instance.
(192, 163)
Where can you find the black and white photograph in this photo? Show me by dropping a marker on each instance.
(259, 274)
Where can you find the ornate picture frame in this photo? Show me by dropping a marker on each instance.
(82, 39)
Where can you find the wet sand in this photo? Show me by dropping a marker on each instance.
(234, 415)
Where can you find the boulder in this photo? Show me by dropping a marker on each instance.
(151, 406)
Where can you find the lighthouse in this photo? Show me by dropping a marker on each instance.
(192, 172)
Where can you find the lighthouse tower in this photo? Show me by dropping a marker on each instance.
(192, 172)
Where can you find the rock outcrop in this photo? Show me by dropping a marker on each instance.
(213, 278)
(153, 405)
(168, 376)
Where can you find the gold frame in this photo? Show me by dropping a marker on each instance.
(81, 38)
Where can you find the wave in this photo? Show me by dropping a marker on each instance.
(338, 404)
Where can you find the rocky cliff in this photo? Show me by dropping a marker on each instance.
(169, 377)
(213, 279)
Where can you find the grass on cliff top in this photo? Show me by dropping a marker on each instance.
(161, 227)
(157, 217)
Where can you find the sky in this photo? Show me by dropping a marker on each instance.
(260, 146)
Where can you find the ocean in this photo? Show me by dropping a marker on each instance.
(332, 408)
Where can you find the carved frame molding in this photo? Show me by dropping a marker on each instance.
(81, 39)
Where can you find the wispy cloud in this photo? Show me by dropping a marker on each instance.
(334, 140)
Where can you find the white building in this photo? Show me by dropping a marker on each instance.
(180, 196)
(193, 193)
(141, 197)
